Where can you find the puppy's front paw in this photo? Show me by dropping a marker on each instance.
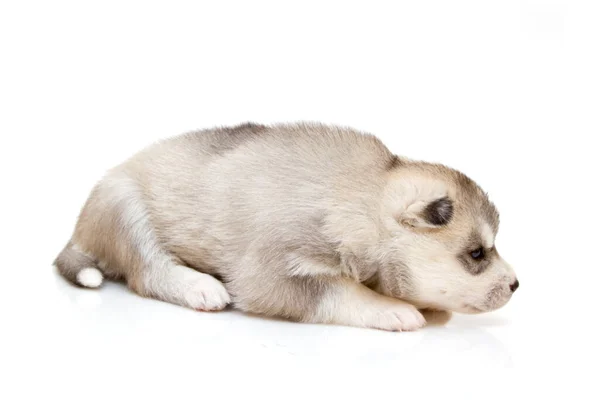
(398, 317)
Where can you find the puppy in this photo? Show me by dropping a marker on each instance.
(309, 222)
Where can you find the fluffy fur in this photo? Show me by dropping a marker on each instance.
(310, 222)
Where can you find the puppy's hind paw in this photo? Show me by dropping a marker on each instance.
(207, 294)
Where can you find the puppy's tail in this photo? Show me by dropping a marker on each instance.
(79, 267)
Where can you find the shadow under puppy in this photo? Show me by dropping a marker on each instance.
(310, 222)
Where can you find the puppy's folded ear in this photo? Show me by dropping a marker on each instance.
(417, 201)
(429, 213)
(438, 212)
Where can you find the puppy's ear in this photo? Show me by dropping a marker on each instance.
(438, 212)
(429, 213)
(419, 201)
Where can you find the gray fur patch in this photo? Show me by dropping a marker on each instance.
(439, 212)
(246, 128)
(394, 162)
(476, 267)
(70, 261)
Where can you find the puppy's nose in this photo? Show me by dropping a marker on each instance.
(514, 286)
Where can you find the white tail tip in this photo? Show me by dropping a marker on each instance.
(90, 277)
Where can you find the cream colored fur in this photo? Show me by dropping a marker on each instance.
(309, 222)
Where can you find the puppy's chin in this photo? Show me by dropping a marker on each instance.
(472, 309)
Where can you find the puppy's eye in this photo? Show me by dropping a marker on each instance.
(478, 254)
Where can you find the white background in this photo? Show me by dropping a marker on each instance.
(507, 91)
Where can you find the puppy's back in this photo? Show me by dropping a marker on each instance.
(212, 194)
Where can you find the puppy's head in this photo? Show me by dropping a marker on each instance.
(440, 251)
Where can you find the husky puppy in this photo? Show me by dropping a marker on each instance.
(314, 223)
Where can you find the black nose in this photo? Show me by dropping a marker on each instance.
(514, 286)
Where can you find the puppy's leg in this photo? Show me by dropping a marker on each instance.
(325, 299)
(115, 228)
(347, 302)
(168, 281)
